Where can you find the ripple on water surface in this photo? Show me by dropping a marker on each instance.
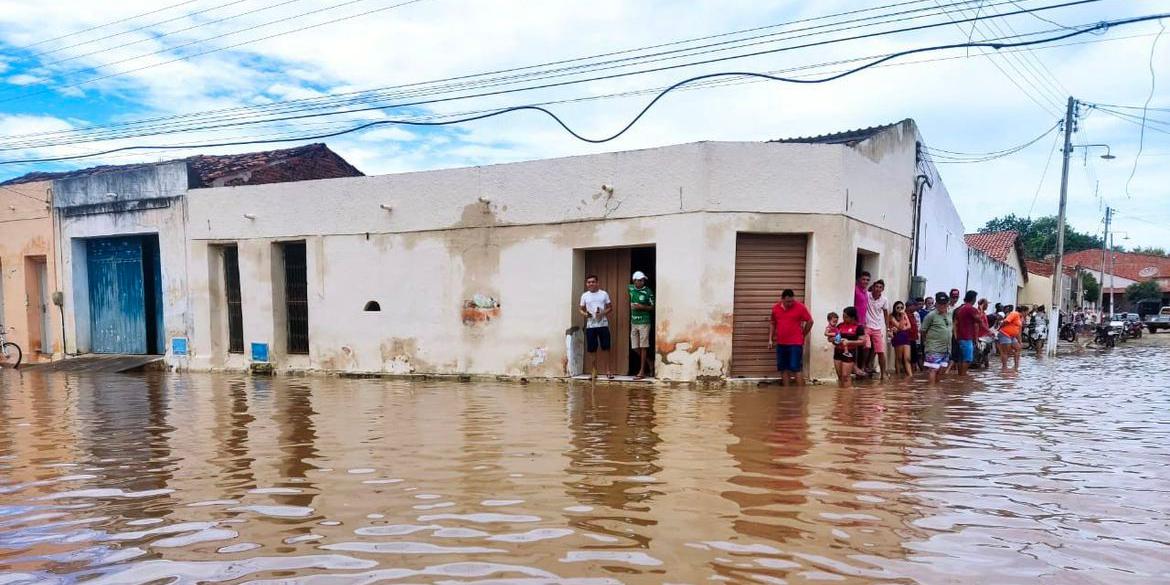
(1056, 474)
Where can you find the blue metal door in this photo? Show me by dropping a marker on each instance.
(117, 299)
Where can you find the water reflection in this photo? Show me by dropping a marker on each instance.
(613, 463)
(1048, 476)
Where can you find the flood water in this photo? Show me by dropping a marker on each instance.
(1060, 474)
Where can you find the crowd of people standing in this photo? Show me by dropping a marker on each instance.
(947, 332)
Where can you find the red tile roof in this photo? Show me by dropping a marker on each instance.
(998, 245)
(1046, 268)
(302, 163)
(1136, 267)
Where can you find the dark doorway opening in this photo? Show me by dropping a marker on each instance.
(614, 267)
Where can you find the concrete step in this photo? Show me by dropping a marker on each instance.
(107, 363)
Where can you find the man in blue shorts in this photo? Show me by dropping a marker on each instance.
(788, 326)
(967, 326)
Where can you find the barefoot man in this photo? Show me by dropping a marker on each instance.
(595, 307)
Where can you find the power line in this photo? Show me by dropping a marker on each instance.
(133, 30)
(1041, 18)
(236, 121)
(1043, 175)
(111, 23)
(665, 92)
(169, 33)
(1153, 85)
(1050, 106)
(516, 69)
(193, 146)
(214, 50)
(986, 157)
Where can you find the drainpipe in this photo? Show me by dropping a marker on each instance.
(920, 182)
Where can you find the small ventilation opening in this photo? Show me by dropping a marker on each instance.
(372, 306)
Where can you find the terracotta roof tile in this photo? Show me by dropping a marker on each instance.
(1046, 268)
(302, 163)
(998, 245)
(1136, 267)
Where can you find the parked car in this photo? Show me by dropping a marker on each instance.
(1154, 323)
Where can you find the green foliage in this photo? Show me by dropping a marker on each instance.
(1091, 287)
(1151, 250)
(1038, 236)
(1140, 291)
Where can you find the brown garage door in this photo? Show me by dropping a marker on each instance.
(765, 265)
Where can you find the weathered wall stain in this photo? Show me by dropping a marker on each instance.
(699, 351)
(399, 355)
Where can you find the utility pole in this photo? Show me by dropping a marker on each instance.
(1104, 257)
(1058, 273)
(1112, 293)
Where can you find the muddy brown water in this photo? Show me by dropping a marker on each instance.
(1059, 474)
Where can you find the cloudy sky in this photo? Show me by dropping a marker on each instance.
(198, 68)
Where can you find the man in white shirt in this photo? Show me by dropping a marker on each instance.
(596, 306)
(877, 315)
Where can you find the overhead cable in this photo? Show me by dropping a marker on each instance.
(1145, 112)
(649, 105)
(295, 115)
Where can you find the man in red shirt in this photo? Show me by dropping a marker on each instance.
(788, 326)
(967, 324)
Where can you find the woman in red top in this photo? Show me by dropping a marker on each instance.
(845, 351)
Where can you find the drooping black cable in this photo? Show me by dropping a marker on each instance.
(612, 76)
(1100, 26)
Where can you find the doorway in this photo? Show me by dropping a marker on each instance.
(614, 267)
(125, 295)
(39, 305)
(866, 262)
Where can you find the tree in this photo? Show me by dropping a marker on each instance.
(1091, 287)
(1038, 236)
(1150, 250)
(1140, 291)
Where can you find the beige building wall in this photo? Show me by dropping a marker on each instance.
(27, 247)
(516, 233)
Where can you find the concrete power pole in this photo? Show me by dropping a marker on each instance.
(1104, 257)
(1058, 273)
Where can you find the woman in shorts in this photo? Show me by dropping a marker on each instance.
(900, 327)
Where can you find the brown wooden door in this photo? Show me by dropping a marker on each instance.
(765, 265)
(612, 268)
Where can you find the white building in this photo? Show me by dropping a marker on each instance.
(478, 270)
(996, 266)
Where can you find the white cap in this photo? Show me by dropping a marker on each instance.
(639, 275)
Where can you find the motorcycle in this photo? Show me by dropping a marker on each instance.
(1134, 329)
(1105, 336)
(1068, 332)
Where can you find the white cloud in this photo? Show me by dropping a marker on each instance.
(25, 79)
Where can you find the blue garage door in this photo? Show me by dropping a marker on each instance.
(117, 295)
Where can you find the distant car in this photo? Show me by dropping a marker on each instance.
(1154, 323)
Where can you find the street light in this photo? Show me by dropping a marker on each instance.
(1107, 156)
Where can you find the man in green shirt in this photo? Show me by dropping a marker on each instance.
(937, 331)
(641, 316)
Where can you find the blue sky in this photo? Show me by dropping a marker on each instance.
(967, 102)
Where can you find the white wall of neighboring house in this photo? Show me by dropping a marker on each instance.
(994, 280)
(514, 233)
(942, 251)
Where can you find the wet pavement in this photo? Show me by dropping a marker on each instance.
(1058, 474)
